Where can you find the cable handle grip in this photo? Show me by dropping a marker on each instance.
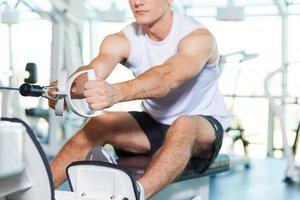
(91, 76)
(61, 86)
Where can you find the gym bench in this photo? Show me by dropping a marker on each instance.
(189, 185)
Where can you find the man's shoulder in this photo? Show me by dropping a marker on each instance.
(200, 34)
(116, 43)
(115, 37)
(200, 40)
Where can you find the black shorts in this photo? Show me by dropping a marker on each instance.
(156, 132)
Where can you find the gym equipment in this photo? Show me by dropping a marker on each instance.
(11, 99)
(292, 174)
(90, 180)
(11, 141)
(63, 93)
(236, 131)
(31, 90)
(193, 183)
(34, 181)
(231, 12)
(296, 140)
(31, 68)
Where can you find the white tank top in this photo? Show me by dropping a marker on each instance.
(198, 96)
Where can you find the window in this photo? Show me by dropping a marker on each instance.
(4, 54)
(261, 35)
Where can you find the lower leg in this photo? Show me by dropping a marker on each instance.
(167, 163)
(187, 137)
(75, 149)
(116, 128)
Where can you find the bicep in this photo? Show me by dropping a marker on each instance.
(113, 50)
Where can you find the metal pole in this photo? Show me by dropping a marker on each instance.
(10, 54)
(283, 11)
(6, 102)
(57, 63)
(284, 24)
(284, 58)
(270, 141)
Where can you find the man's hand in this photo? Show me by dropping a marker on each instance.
(52, 93)
(99, 94)
(76, 90)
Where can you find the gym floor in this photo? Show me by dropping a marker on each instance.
(263, 181)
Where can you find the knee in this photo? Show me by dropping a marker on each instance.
(91, 126)
(96, 129)
(183, 121)
(193, 125)
(183, 128)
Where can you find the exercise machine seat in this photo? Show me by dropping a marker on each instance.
(138, 164)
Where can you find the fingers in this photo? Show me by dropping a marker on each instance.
(95, 99)
(98, 102)
(97, 94)
(95, 88)
(93, 92)
(77, 87)
(52, 103)
(93, 84)
(54, 83)
(97, 106)
(51, 93)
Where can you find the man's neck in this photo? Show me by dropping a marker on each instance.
(160, 29)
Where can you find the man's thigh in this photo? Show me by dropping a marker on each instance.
(121, 130)
(154, 131)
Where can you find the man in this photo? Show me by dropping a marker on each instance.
(174, 60)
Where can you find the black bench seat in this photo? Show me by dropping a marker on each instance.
(138, 164)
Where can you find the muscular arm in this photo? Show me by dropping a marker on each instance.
(113, 50)
(194, 52)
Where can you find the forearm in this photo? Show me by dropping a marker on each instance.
(103, 66)
(154, 83)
